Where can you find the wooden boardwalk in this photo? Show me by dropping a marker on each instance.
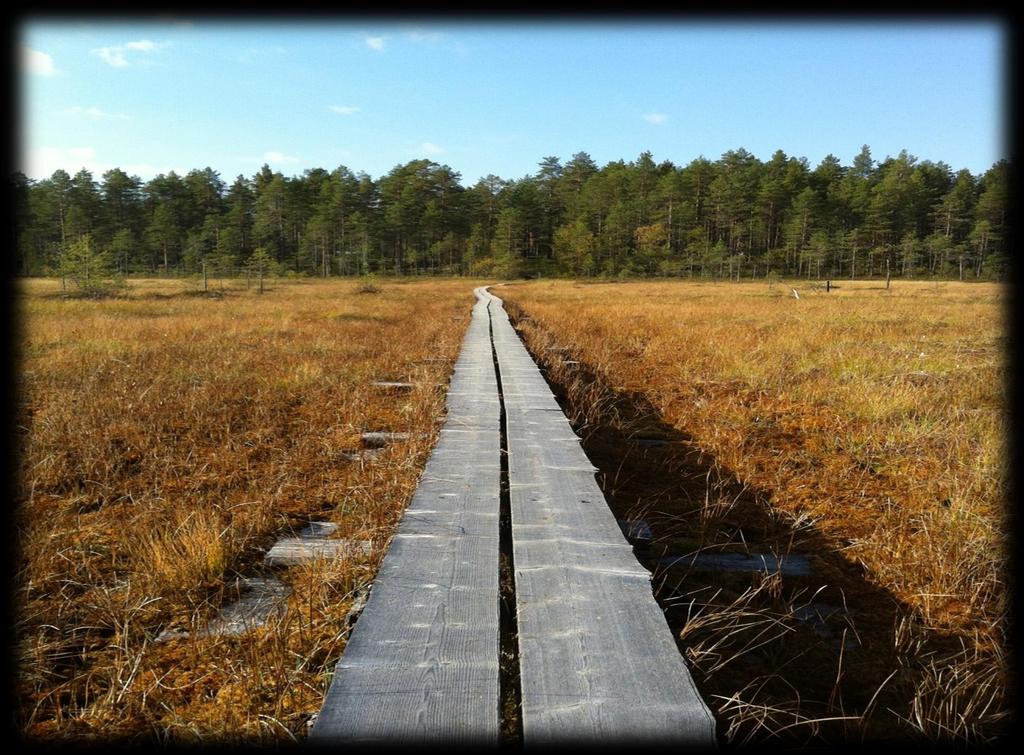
(597, 662)
(422, 661)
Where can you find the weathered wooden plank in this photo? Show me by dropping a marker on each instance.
(377, 439)
(636, 529)
(589, 668)
(317, 529)
(365, 454)
(598, 662)
(311, 542)
(393, 385)
(260, 599)
(793, 565)
(421, 664)
(263, 597)
(651, 442)
(296, 550)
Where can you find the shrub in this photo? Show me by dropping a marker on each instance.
(89, 268)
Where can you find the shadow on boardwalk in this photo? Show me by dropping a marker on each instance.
(803, 651)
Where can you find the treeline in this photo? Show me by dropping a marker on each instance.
(731, 218)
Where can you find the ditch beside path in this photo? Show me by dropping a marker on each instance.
(510, 608)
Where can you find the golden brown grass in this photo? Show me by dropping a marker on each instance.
(877, 418)
(166, 439)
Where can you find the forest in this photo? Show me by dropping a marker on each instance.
(736, 217)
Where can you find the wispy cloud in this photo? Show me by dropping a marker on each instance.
(117, 55)
(278, 158)
(95, 112)
(37, 62)
(431, 148)
(343, 109)
(376, 43)
(41, 162)
(656, 118)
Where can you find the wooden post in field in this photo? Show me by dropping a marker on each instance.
(828, 286)
(261, 277)
(887, 275)
(204, 276)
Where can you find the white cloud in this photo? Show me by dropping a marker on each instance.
(95, 112)
(117, 55)
(344, 109)
(377, 43)
(37, 62)
(41, 162)
(279, 157)
(432, 149)
(112, 56)
(656, 118)
(145, 45)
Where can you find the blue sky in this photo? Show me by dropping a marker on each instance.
(498, 97)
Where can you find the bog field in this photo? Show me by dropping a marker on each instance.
(852, 440)
(860, 431)
(166, 439)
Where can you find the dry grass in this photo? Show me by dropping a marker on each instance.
(876, 418)
(166, 439)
